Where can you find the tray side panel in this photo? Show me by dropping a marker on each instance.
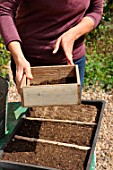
(51, 95)
(49, 73)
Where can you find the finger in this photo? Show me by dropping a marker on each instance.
(69, 56)
(57, 45)
(18, 79)
(70, 61)
(18, 86)
(28, 73)
(18, 90)
(19, 75)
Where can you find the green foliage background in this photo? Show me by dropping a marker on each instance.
(4, 58)
(99, 53)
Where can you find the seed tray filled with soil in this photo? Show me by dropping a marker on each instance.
(55, 142)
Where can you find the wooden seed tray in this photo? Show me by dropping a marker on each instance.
(52, 85)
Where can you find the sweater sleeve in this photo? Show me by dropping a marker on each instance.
(95, 11)
(8, 29)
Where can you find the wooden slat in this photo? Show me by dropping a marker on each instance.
(50, 95)
(62, 121)
(51, 142)
(77, 75)
(78, 83)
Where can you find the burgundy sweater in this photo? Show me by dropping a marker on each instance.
(36, 24)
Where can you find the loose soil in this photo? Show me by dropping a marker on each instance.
(80, 112)
(46, 155)
(50, 155)
(65, 80)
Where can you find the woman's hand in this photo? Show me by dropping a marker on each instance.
(66, 40)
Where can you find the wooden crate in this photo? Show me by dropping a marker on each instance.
(52, 85)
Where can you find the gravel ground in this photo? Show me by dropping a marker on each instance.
(104, 147)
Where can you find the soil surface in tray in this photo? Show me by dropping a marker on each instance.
(49, 155)
(53, 156)
(74, 112)
(65, 80)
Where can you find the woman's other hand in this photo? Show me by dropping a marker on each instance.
(22, 65)
(66, 40)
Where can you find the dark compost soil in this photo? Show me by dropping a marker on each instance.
(49, 155)
(65, 80)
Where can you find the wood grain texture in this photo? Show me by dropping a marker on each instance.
(49, 73)
(50, 95)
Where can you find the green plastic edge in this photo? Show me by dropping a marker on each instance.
(93, 163)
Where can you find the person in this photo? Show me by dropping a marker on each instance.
(46, 32)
